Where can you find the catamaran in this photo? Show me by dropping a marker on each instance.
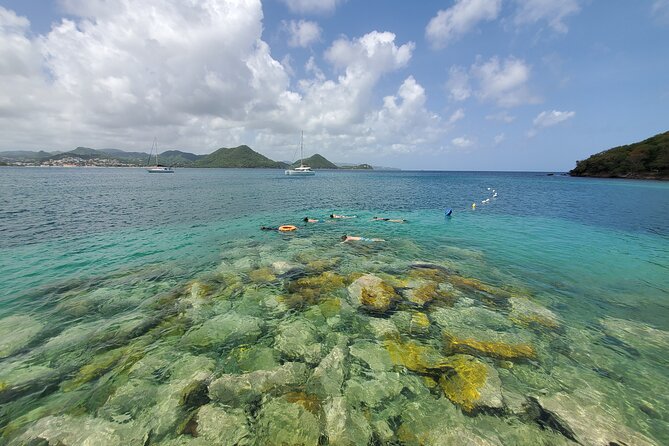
(302, 170)
(157, 168)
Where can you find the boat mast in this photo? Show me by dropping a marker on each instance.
(302, 149)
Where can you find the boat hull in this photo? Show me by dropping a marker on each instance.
(300, 173)
(160, 170)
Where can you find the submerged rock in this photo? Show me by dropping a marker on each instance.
(345, 425)
(587, 424)
(524, 312)
(226, 329)
(283, 423)
(372, 293)
(471, 383)
(241, 389)
(493, 349)
(383, 328)
(225, 427)
(415, 356)
(262, 275)
(328, 377)
(298, 340)
(16, 332)
(375, 356)
(69, 430)
(478, 331)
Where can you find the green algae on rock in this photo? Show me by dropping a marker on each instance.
(372, 293)
(471, 383)
(526, 313)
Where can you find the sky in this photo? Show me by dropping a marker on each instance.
(521, 85)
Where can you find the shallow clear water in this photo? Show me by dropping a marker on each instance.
(128, 301)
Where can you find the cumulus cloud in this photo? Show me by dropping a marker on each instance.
(456, 116)
(199, 76)
(499, 138)
(549, 119)
(462, 142)
(504, 82)
(551, 11)
(312, 6)
(458, 84)
(450, 24)
(302, 33)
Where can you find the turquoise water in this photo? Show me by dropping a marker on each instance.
(132, 305)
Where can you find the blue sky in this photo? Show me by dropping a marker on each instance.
(448, 85)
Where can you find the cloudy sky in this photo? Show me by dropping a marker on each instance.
(448, 85)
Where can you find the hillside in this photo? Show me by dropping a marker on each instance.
(317, 162)
(241, 156)
(648, 159)
(177, 158)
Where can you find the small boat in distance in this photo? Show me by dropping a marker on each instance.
(302, 170)
(157, 168)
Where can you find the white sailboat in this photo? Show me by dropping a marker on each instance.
(302, 170)
(157, 168)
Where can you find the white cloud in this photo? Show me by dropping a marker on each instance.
(456, 116)
(312, 6)
(450, 24)
(462, 142)
(458, 84)
(551, 11)
(551, 118)
(506, 83)
(499, 138)
(503, 82)
(548, 119)
(199, 76)
(302, 33)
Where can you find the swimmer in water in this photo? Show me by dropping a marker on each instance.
(353, 238)
(310, 220)
(393, 220)
(343, 216)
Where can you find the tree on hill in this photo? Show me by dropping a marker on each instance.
(317, 162)
(646, 159)
(241, 156)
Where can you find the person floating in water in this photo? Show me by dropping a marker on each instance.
(343, 216)
(353, 238)
(310, 220)
(394, 220)
(282, 228)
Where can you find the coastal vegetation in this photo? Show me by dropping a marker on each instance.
(648, 159)
(241, 156)
(234, 157)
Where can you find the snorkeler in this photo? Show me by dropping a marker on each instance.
(310, 220)
(354, 238)
(343, 216)
(282, 228)
(394, 220)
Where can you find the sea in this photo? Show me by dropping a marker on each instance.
(152, 309)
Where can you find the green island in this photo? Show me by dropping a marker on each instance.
(225, 157)
(648, 159)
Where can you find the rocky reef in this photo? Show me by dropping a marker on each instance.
(316, 344)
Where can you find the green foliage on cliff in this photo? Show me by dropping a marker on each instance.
(241, 156)
(648, 159)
